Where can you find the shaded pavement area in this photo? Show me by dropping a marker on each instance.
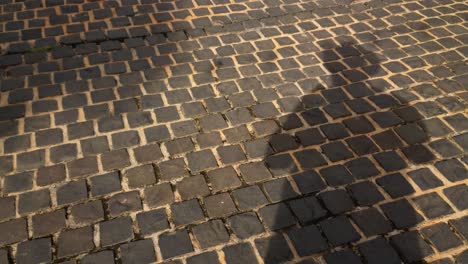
(216, 131)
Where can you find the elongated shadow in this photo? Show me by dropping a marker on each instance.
(340, 172)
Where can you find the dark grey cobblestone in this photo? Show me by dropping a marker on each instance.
(213, 131)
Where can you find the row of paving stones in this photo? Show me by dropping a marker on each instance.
(324, 136)
(31, 20)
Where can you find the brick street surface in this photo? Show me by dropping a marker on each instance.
(232, 131)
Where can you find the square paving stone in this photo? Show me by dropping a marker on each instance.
(207, 257)
(314, 117)
(441, 236)
(337, 110)
(378, 250)
(75, 241)
(395, 184)
(336, 175)
(311, 136)
(186, 212)
(418, 154)
(245, 225)
(310, 158)
(212, 122)
(116, 231)
(362, 168)
(6, 163)
(390, 161)
(432, 205)
(279, 190)
(8, 208)
(105, 184)
(309, 182)
(13, 231)
(362, 145)
(140, 176)
(175, 244)
(273, 249)
(211, 233)
(401, 213)
(460, 225)
(157, 133)
(343, 256)
(411, 246)
(307, 209)
(82, 167)
(359, 125)
(152, 221)
(18, 182)
(409, 114)
(425, 178)
(386, 119)
(147, 153)
(258, 148)
(452, 169)
(237, 116)
(71, 192)
(282, 164)
(209, 139)
(87, 212)
(371, 222)
(231, 154)
(223, 179)
(387, 140)
(277, 216)
(172, 169)
(179, 145)
(201, 160)
(307, 240)
(140, 251)
(339, 230)
(249, 197)
(48, 223)
(445, 148)
(159, 195)
(457, 194)
(219, 205)
(124, 202)
(462, 140)
(336, 201)
(290, 121)
(336, 151)
(365, 193)
(34, 251)
(255, 171)
(94, 146)
(239, 254)
(434, 127)
(192, 187)
(63, 152)
(33, 201)
(411, 133)
(237, 134)
(115, 159)
(459, 122)
(283, 142)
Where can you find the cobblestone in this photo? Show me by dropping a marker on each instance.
(264, 131)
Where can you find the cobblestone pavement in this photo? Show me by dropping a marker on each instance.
(220, 131)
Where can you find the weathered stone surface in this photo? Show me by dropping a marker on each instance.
(289, 131)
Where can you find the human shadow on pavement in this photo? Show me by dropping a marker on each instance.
(339, 180)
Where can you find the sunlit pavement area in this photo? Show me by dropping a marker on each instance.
(217, 131)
